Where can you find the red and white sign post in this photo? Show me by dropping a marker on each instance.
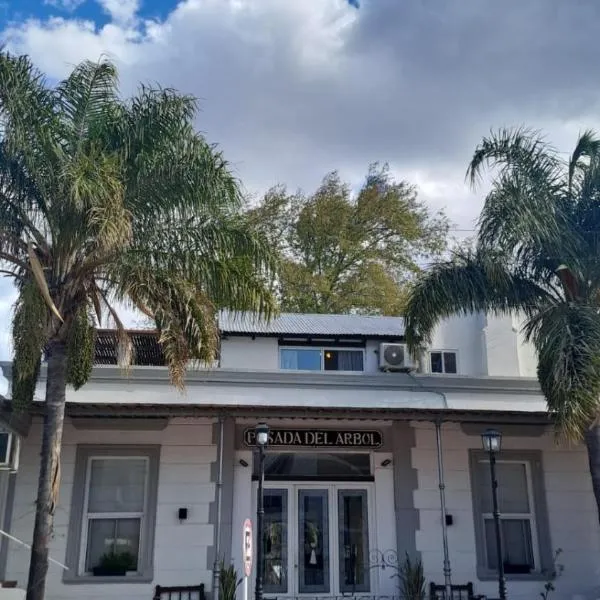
(247, 552)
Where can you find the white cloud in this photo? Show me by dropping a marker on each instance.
(66, 5)
(120, 11)
(293, 89)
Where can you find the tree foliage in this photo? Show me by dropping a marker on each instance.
(342, 252)
(536, 256)
(105, 200)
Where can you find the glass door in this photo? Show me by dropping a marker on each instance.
(275, 540)
(313, 541)
(316, 540)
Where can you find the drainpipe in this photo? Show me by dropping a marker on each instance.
(442, 487)
(218, 499)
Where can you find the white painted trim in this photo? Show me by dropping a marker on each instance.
(292, 570)
(87, 516)
(443, 351)
(530, 516)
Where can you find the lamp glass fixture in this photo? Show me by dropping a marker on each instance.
(262, 434)
(491, 440)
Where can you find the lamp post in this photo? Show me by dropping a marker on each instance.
(492, 442)
(262, 439)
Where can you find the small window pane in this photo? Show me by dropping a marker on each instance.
(516, 545)
(449, 362)
(353, 541)
(275, 541)
(117, 485)
(114, 539)
(300, 359)
(436, 362)
(343, 360)
(513, 494)
(313, 465)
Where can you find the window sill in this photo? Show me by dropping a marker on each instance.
(91, 579)
(484, 575)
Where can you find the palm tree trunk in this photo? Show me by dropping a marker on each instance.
(49, 469)
(592, 442)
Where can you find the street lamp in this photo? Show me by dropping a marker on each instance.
(262, 439)
(492, 442)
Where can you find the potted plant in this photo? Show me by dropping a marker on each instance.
(115, 564)
(228, 581)
(412, 579)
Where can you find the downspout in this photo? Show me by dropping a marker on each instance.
(218, 500)
(442, 487)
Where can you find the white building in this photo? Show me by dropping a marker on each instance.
(352, 471)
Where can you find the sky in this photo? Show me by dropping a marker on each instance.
(292, 89)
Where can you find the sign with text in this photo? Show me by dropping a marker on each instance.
(319, 438)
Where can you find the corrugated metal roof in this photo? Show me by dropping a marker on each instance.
(313, 325)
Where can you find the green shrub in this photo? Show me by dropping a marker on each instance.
(411, 579)
(228, 581)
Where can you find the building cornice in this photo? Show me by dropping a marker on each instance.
(441, 384)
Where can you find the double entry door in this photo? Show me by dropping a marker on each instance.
(316, 539)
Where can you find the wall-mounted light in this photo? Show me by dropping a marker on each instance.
(386, 462)
(182, 514)
(243, 462)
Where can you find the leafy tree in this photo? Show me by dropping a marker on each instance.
(342, 252)
(536, 256)
(104, 201)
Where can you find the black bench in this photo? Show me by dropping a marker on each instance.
(459, 592)
(179, 592)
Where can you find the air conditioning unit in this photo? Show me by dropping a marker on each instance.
(395, 357)
(9, 451)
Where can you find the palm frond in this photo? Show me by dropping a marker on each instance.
(26, 103)
(539, 232)
(587, 147)
(184, 316)
(231, 264)
(86, 97)
(567, 339)
(516, 150)
(470, 283)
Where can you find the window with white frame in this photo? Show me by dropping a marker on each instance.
(321, 359)
(443, 361)
(522, 518)
(115, 503)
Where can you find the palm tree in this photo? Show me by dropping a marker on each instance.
(536, 255)
(105, 201)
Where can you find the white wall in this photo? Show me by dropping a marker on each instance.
(489, 345)
(372, 356)
(571, 512)
(526, 350)
(464, 335)
(180, 556)
(261, 353)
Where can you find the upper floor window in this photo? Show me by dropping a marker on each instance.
(443, 361)
(321, 359)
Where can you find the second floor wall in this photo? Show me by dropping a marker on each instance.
(473, 345)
